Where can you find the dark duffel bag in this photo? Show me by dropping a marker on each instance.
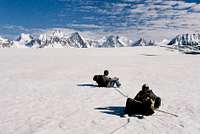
(157, 102)
(134, 107)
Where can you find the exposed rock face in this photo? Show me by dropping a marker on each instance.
(186, 41)
(5, 43)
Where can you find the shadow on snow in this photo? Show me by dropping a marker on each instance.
(87, 85)
(117, 111)
(113, 110)
(149, 55)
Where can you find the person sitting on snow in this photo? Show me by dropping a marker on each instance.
(144, 103)
(105, 81)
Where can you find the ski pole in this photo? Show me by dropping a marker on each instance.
(123, 126)
(119, 91)
(166, 112)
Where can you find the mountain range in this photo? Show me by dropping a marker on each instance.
(60, 39)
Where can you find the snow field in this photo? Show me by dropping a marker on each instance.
(50, 91)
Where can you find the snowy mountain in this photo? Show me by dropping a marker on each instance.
(94, 43)
(55, 39)
(24, 38)
(26, 41)
(164, 42)
(191, 41)
(142, 42)
(58, 39)
(5, 43)
(111, 41)
(65, 39)
(75, 40)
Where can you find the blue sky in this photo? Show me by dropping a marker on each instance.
(146, 18)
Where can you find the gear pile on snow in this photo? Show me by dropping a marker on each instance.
(106, 81)
(144, 103)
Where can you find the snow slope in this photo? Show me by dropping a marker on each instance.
(50, 91)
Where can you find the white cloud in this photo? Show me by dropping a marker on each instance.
(132, 18)
(85, 26)
(13, 27)
(149, 20)
(13, 31)
(196, 8)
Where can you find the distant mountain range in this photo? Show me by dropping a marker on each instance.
(60, 39)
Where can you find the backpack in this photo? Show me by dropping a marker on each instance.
(101, 81)
(134, 107)
(157, 102)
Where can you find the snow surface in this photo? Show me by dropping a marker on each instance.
(51, 91)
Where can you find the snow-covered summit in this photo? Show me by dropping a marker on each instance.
(60, 39)
(111, 41)
(143, 42)
(53, 39)
(5, 43)
(26, 41)
(140, 42)
(75, 40)
(164, 42)
(52, 34)
(24, 38)
(186, 40)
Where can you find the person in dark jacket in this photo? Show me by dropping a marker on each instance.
(144, 103)
(105, 81)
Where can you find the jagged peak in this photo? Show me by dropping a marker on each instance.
(76, 40)
(186, 39)
(140, 42)
(5, 43)
(76, 36)
(111, 41)
(188, 36)
(24, 37)
(56, 33)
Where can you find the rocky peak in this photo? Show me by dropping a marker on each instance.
(24, 38)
